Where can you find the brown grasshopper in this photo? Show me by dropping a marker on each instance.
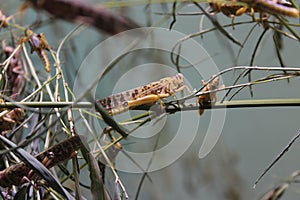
(17, 174)
(13, 118)
(38, 44)
(143, 95)
(232, 9)
(210, 98)
(14, 74)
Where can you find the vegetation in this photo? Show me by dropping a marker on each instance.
(68, 130)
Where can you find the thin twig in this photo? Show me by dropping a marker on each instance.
(277, 158)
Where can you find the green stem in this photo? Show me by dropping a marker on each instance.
(225, 104)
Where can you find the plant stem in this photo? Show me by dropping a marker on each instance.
(169, 107)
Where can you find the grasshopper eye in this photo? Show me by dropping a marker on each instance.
(180, 85)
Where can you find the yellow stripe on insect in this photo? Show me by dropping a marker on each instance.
(44, 58)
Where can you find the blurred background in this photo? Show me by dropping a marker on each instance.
(251, 137)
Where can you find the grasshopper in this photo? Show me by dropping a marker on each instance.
(38, 44)
(14, 74)
(231, 9)
(144, 95)
(15, 174)
(210, 98)
(11, 119)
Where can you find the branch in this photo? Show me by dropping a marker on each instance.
(46, 104)
(80, 11)
(174, 107)
(169, 107)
